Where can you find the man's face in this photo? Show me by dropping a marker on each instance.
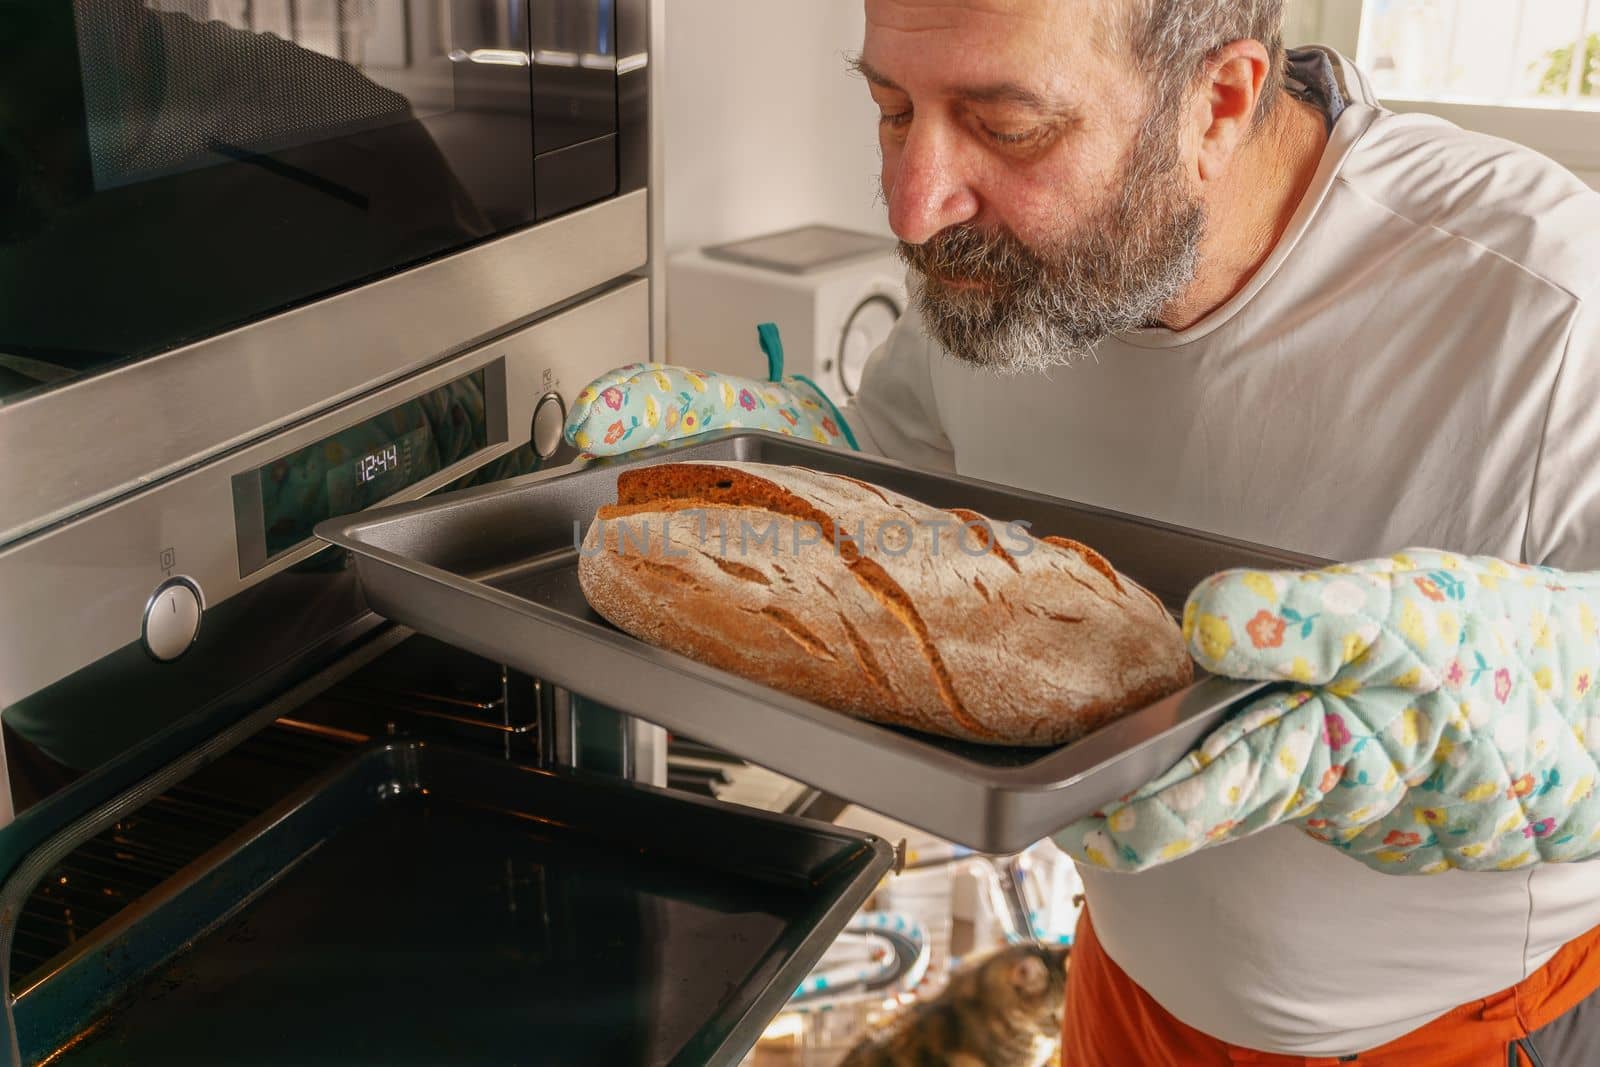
(1037, 190)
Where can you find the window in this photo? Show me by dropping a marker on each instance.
(1527, 70)
(1531, 53)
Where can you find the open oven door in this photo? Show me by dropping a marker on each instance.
(417, 903)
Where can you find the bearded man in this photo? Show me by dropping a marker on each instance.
(1163, 266)
(1225, 288)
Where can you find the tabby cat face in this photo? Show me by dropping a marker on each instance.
(1029, 982)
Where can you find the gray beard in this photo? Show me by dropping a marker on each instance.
(1052, 307)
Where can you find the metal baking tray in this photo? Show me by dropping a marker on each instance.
(420, 905)
(494, 570)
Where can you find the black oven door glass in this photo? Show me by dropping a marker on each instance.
(173, 168)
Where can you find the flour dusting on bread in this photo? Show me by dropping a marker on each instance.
(874, 604)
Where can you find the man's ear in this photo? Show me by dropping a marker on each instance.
(1227, 103)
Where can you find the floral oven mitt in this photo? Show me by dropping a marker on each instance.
(645, 404)
(1441, 713)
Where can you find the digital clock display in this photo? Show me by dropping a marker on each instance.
(383, 469)
(370, 462)
(380, 462)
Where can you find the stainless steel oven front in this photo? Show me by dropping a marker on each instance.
(265, 261)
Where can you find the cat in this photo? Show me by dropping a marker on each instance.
(1003, 1010)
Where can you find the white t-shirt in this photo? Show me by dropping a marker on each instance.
(1417, 363)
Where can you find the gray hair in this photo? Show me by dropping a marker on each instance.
(1171, 40)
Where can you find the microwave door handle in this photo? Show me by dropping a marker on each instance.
(486, 33)
(571, 32)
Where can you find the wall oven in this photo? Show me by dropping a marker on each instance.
(263, 262)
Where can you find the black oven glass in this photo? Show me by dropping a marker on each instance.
(173, 168)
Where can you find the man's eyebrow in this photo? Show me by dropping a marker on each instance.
(872, 74)
(998, 93)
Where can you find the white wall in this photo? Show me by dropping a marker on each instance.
(1335, 23)
(764, 126)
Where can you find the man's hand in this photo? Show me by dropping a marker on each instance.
(645, 404)
(1441, 713)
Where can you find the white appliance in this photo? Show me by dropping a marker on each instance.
(834, 295)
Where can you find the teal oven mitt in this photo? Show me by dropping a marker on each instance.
(645, 404)
(1437, 712)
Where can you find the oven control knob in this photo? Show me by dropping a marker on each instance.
(549, 421)
(172, 619)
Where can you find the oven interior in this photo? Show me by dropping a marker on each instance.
(497, 908)
(421, 688)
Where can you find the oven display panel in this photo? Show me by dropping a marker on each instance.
(386, 469)
(370, 462)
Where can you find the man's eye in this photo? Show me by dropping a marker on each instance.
(1012, 138)
(895, 120)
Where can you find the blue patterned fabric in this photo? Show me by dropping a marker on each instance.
(645, 404)
(1439, 712)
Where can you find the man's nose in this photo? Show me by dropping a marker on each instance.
(927, 189)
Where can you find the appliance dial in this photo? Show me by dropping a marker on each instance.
(172, 619)
(549, 421)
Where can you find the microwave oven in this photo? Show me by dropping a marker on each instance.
(173, 173)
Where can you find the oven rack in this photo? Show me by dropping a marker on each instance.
(115, 869)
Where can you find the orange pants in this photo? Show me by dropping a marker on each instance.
(1111, 1022)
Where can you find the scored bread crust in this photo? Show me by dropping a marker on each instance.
(877, 605)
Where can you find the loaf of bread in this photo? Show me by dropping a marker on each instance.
(873, 604)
